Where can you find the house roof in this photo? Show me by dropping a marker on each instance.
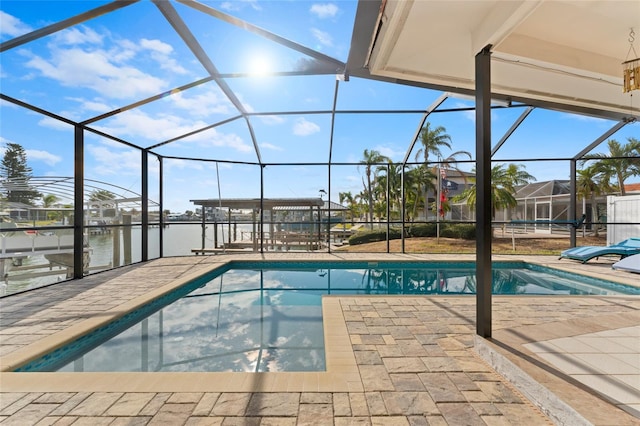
(543, 189)
(632, 187)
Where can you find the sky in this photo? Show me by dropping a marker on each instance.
(133, 53)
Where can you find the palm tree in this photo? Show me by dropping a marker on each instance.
(503, 186)
(49, 200)
(517, 174)
(392, 173)
(588, 185)
(351, 203)
(431, 140)
(450, 163)
(622, 162)
(370, 159)
(419, 182)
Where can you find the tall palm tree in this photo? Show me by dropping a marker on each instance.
(392, 174)
(431, 140)
(622, 162)
(588, 185)
(369, 161)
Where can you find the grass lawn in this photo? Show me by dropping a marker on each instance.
(544, 245)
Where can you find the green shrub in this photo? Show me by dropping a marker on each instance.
(370, 236)
(465, 231)
(421, 230)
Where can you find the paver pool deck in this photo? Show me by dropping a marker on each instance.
(391, 360)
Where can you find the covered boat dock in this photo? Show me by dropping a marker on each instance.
(310, 236)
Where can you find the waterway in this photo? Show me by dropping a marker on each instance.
(178, 240)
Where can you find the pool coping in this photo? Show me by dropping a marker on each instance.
(341, 373)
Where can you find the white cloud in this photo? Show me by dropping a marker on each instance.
(77, 58)
(95, 106)
(156, 45)
(161, 52)
(203, 104)
(136, 124)
(325, 10)
(303, 127)
(94, 70)
(389, 152)
(52, 123)
(44, 156)
(323, 38)
(272, 120)
(272, 147)
(179, 164)
(75, 36)
(237, 5)
(112, 162)
(12, 26)
(213, 138)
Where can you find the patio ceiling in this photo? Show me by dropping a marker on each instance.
(564, 54)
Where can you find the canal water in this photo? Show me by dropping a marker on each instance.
(179, 239)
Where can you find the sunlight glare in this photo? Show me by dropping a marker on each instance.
(260, 65)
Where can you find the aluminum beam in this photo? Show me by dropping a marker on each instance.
(602, 138)
(144, 171)
(512, 129)
(339, 66)
(483, 192)
(74, 20)
(443, 97)
(78, 203)
(185, 33)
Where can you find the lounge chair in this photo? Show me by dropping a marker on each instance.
(629, 263)
(623, 249)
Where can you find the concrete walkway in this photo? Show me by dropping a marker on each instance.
(406, 360)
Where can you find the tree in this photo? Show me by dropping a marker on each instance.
(589, 186)
(16, 174)
(432, 140)
(503, 183)
(369, 160)
(392, 173)
(622, 162)
(351, 203)
(101, 195)
(49, 200)
(418, 182)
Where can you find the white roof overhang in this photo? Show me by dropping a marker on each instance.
(562, 53)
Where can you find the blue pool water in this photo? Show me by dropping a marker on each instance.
(267, 316)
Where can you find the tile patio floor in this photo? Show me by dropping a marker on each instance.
(405, 360)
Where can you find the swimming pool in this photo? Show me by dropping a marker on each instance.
(267, 316)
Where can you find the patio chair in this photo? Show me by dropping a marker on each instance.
(623, 249)
(629, 263)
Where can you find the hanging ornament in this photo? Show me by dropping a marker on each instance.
(631, 67)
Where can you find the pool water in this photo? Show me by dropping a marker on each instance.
(267, 316)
